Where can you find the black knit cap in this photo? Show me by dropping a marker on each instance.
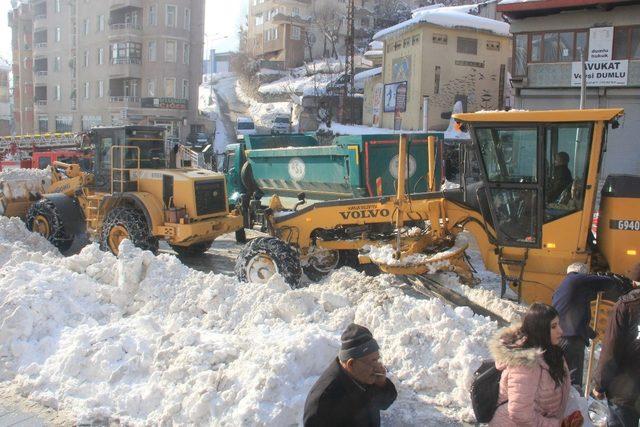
(635, 273)
(357, 342)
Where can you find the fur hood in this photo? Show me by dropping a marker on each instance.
(506, 349)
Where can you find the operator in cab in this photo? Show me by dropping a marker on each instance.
(561, 177)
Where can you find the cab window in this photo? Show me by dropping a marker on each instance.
(509, 154)
(567, 150)
(229, 161)
(43, 162)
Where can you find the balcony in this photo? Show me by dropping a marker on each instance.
(125, 29)
(131, 101)
(40, 76)
(39, 18)
(40, 104)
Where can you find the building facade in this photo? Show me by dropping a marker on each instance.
(84, 63)
(549, 39)
(289, 32)
(428, 65)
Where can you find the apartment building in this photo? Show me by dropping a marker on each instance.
(288, 32)
(84, 63)
(550, 38)
(5, 106)
(438, 57)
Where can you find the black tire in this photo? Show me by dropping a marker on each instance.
(195, 250)
(316, 274)
(135, 224)
(349, 258)
(283, 257)
(45, 210)
(241, 236)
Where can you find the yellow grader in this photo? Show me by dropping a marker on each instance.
(528, 190)
(130, 194)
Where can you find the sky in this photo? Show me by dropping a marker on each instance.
(221, 25)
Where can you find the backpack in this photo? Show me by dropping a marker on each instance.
(484, 391)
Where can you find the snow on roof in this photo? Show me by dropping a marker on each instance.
(376, 45)
(373, 53)
(4, 65)
(518, 1)
(450, 17)
(364, 75)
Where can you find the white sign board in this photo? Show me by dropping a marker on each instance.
(601, 73)
(600, 44)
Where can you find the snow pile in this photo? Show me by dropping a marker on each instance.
(449, 17)
(307, 85)
(146, 340)
(208, 102)
(17, 183)
(340, 129)
(385, 255)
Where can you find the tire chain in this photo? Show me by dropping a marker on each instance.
(58, 236)
(136, 225)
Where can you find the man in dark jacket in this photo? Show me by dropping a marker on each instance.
(354, 388)
(561, 178)
(572, 301)
(618, 372)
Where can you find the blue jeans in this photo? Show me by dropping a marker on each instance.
(622, 416)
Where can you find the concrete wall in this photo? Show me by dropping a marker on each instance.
(475, 79)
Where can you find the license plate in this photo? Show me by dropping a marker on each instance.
(625, 224)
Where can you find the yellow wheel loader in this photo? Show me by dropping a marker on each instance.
(130, 194)
(528, 192)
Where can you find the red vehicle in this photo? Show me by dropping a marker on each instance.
(42, 159)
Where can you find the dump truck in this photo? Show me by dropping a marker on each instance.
(299, 170)
(528, 225)
(129, 194)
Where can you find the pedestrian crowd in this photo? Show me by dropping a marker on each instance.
(534, 367)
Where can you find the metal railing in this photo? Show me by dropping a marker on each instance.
(39, 17)
(120, 61)
(125, 26)
(41, 73)
(41, 45)
(132, 99)
(41, 102)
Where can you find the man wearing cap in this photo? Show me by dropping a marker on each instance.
(618, 373)
(354, 388)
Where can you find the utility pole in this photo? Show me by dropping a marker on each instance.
(346, 107)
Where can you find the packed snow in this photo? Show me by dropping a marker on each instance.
(18, 183)
(449, 17)
(146, 340)
(263, 113)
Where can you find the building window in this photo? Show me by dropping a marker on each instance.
(271, 34)
(364, 22)
(152, 51)
(467, 45)
(86, 59)
(170, 88)
(550, 47)
(100, 23)
(85, 27)
(493, 45)
(101, 56)
(43, 124)
(151, 88)
(581, 45)
(153, 15)
(89, 122)
(406, 42)
(566, 42)
(295, 11)
(185, 89)
(259, 19)
(56, 6)
(296, 34)
(397, 45)
(100, 88)
(126, 53)
(626, 43)
(186, 54)
(171, 17)
(521, 49)
(187, 19)
(57, 35)
(415, 39)
(436, 82)
(56, 63)
(64, 123)
(57, 93)
(170, 50)
(86, 90)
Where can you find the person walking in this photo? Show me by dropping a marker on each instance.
(572, 301)
(535, 382)
(354, 388)
(618, 373)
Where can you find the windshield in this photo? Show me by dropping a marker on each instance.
(245, 125)
(282, 120)
(151, 145)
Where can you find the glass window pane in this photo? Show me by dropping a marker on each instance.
(566, 163)
(536, 47)
(509, 155)
(620, 43)
(515, 215)
(550, 47)
(581, 45)
(521, 55)
(566, 46)
(634, 50)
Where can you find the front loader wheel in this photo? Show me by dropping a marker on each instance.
(195, 250)
(126, 223)
(263, 257)
(44, 219)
